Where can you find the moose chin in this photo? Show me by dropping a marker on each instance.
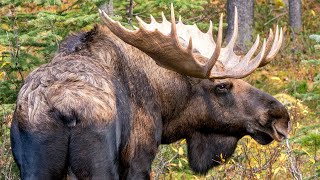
(103, 105)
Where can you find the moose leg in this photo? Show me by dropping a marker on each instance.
(140, 165)
(93, 152)
(40, 155)
(143, 145)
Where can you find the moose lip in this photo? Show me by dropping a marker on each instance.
(266, 137)
(262, 137)
(277, 134)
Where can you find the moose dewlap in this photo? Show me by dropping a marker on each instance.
(109, 98)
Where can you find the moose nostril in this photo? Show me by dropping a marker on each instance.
(282, 128)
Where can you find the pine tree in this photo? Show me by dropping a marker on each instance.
(30, 34)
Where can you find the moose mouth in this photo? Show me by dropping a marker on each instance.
(278, 131)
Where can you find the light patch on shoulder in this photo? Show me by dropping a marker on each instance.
(90, 104)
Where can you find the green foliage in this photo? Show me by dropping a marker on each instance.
(298, 87)
(189, 10)
(30, 34)
(311, 140)
(8, 169)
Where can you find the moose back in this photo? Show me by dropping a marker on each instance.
(109, 98)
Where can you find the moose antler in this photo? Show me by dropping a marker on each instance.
(188, 51)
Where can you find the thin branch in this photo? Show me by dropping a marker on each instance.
(130, 12)
(277, 17)
(293, 166)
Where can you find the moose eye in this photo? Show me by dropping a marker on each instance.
(222, 88)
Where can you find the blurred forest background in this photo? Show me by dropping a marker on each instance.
(31, 30)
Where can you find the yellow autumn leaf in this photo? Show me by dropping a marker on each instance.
(180, 164)
(172, 164)
(282, 157)
(222, 158)
(2, 48)
(277, 170)
(312, 160)
(258, 176)
(275, 78)
(184, 159)
(4, 64)
(279, 3)
(232, 161)
(306, 152)
(195, 177)
(313, 13)
(180, 152)
(298, 126)
(174, 149)
(2, 74)
(5, 27)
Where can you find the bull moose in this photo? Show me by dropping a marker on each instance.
(109, 98)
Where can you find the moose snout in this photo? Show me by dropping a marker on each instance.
(281, 120)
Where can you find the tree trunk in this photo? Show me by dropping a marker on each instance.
(295, 14)
(130, 9)
(107, 7)
(246, 21)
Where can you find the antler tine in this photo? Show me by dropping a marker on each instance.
(254, 63)
(275, 46)
(141, 22)
(189, 48)
(243, 68)
(180, 21)
(173, 25)
(153, 20)
(210, 28)
(174, 34)
(275, 42)
(235, 30)
(105, 15)
(234, 66)
(211, 62)
(253, 49)
(164, 19)
(268, 48)
(269, 41)
(117, 25)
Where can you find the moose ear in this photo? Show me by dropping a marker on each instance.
(208, 150)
